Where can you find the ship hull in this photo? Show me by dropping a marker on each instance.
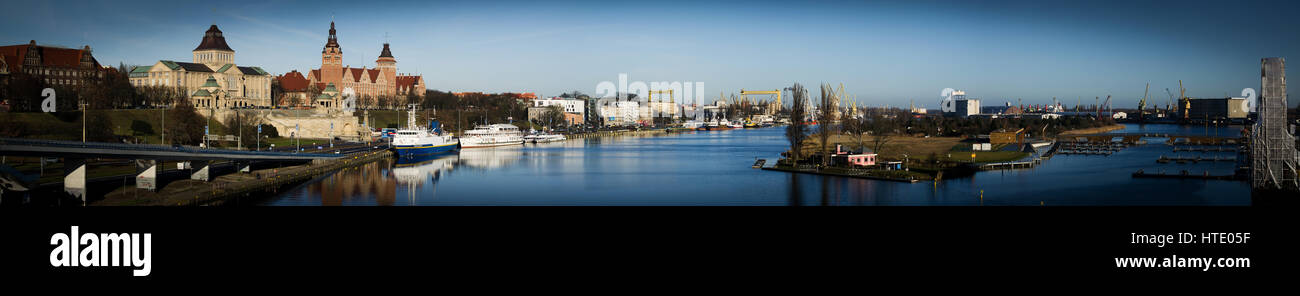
(415, 150)
(485, 145)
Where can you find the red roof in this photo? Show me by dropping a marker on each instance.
(50, 56)
(316, 73)
(374, 74)
(356, 74)
(406, 82)
(293, 81)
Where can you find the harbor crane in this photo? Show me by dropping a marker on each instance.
(1184, 104)
(650, 96)
(1169, 105)
(1108, 109)
(1142, 105)
(746, 93)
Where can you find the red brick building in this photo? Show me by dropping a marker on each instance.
(383, 80)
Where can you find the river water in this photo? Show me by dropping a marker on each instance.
(713, 168)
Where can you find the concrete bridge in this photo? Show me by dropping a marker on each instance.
(148, 158)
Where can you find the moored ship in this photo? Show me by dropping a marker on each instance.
(491, 136)
(415, 140)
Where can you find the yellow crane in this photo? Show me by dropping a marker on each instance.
(745, 94)
(1182, 99)
(1142, 105)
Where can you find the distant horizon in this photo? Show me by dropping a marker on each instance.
(885, 53)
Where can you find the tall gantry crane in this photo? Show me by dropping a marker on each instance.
(746, 93)
(1142, 105)
(1184, 104)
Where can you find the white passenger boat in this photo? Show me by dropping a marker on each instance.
(491, 136)
(544, 138)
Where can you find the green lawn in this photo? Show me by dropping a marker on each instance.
(145, 125)
(289, 142)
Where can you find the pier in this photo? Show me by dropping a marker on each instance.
(1179, 159)
(1184, 174)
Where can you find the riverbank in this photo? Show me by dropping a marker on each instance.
(1095, 130)
(234, 188)
(894, 175)
(619, 133)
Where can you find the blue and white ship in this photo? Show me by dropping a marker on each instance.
(415, 140)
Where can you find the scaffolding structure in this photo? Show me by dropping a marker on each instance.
(1273, 151)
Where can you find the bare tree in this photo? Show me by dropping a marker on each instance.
(826, 119)
(881, 129)
(797, 132)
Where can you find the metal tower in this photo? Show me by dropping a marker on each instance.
(1273, 152)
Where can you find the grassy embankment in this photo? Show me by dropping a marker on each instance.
(143, 125)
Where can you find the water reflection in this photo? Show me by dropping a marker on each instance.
(362, 184)
(491, 158)
(415, 173)
(713, 168)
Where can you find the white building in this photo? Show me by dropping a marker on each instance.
(570, 105)
(620, 112)
(958, 105)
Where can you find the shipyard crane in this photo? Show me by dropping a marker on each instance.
(1169, 105)
(1142, 105)
(1108, 108)
(658, 112)
(746, 93)
(1183, 102)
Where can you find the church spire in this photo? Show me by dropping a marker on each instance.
(333, 39)
(385, 53)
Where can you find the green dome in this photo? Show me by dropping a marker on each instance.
(202, 93)
(212, 82)
(330, 88)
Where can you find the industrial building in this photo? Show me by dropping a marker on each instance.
(960, 106)
(1213, 109)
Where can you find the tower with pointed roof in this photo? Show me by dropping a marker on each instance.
(387, 67)
(212, 79)
(331, 58)
(213, 51)
(369, 84)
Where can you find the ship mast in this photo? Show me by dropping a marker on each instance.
(410, 118)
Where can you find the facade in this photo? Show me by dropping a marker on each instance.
(213, 63)
(660, 109)
(846, 157)
(574, 106)
(960, 106)
(383, 80)
(296, 88)
(620, 112)
(967, 107)
(1215, 109)
(1007, 136)
(56, 65)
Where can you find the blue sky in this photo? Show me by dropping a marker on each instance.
(885, 53)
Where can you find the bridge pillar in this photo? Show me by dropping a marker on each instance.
(201, 170)
(244, 166)
(146, 176)
(74, 177)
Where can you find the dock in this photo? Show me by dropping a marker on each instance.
(1179, 159)
(1184, 174)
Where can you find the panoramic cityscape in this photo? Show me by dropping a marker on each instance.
(384, 143)
(99, 125)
